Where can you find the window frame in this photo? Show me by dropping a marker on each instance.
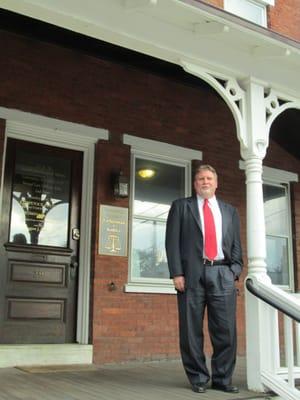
(170, 155)
(286, 185)
(261, 4)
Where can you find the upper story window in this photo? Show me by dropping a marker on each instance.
(160, 173)
(252, 10)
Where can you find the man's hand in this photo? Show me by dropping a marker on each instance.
(179, 283)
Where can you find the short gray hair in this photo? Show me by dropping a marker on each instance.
(205, 167)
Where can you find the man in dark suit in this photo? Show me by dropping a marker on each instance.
(205, 259)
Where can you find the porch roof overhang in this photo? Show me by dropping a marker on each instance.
(177, 30)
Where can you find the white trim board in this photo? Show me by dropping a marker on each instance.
(45, 354)
(274, 174)
(53, 132)
(85, 132)
(158, 148)
(136, 287)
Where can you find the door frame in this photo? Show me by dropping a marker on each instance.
(54, 132)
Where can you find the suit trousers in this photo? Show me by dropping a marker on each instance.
(215, 292)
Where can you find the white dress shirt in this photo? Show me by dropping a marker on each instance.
(214, 206)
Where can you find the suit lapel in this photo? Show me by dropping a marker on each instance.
(193, 204)
(225, 218)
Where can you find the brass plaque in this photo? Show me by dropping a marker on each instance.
(39, 273)
(113, 231)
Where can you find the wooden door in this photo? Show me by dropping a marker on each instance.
(39, 243)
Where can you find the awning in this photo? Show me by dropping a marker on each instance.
(175, 30)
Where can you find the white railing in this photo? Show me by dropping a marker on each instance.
(279, 373)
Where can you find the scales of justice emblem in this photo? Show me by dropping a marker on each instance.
(113, 230)
(113, 244)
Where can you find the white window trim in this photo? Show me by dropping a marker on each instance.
(168, 154)
(165, 150)
(262, 4)
(279, 177)
(274, 174)
(266, 2)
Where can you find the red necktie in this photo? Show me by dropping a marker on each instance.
(210, 241)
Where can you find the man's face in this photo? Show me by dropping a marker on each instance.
(205, 184)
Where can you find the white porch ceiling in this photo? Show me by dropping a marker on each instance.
(173, 30)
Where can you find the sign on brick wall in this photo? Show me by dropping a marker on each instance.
(113, 231)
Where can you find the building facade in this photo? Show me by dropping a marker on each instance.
(84, 110)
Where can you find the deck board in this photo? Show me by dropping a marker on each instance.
(164, 380)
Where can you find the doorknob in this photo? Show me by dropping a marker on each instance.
(75, 234)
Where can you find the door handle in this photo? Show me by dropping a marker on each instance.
(75, 234)
(73, 267)
(74, 264)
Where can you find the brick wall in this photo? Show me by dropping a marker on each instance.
(216, 3)
(284, 18)
(129, 326)
(60, 83)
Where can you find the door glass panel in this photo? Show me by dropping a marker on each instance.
(40, 200)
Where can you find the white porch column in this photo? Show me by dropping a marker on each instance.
(253, 151)
(259, 317)
(256, 236)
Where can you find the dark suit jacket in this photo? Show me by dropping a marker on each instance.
(184, 240)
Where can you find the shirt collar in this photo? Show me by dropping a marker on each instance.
(211, 200)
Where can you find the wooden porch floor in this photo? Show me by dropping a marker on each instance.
(164, 380)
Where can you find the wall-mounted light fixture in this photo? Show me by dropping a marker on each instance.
(146, 173)
(120, 185)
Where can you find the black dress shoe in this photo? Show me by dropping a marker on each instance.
(199, 387)
(225, 388)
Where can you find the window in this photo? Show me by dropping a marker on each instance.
(278, 234)
(160, 173)
(40, 199)
(253, 10)
(151, 202)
